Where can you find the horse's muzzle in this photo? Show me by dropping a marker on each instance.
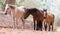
(44, 17)
(5, 13)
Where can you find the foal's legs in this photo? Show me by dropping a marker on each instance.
(45, 25)
(52, 27)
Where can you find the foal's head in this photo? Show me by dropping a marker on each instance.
(45, 13)
(9, 9)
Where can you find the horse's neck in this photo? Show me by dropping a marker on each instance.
(13, 12)
(40, 14)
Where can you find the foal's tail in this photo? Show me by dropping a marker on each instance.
(53, 18)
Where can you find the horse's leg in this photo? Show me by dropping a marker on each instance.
(14, 22)
(43, 25)
(23, 23)
(40, 25)
(49, 27)
(34, 24)
(52, 27)
(37, 25)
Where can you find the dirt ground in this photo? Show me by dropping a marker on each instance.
(25, 31)
(6, 26)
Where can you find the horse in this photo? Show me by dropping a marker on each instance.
(38, 15)
(17, 14)
(49, 21)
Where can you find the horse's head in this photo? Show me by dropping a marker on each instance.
(45, 12)
(27, 13)
(9, 9)
(31, 11)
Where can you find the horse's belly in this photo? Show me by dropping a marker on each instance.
(19, 14)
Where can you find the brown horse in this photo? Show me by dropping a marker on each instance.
(17, 14)
(38, 15)
(49, 21)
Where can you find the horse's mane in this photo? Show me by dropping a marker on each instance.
(41, 11)
(33, 10)
(12, 6)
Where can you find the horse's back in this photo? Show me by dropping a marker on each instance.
(21, 9)
(33, 10)
(19, 12)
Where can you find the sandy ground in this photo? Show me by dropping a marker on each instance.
(25, 31)
(6, 27)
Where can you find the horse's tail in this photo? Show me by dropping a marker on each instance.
(53, 17)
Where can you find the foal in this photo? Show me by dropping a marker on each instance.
(17, 13)
(49, 20)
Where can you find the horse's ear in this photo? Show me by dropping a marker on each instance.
(44, 9)
(12, 7)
